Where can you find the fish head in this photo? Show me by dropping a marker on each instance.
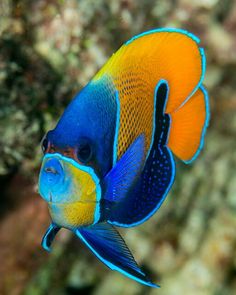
(69, 185)
(78, 153)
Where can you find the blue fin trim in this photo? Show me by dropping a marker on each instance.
(119, 180)
(49, 237)
(107, 244)
(205, 126)
(175, 30)
(190, 35)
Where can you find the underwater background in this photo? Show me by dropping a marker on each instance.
(49, 49)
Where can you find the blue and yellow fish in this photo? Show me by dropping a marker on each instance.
(109, 161)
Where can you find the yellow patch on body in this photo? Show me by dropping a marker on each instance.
(72, 215)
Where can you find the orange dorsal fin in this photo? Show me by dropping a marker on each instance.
(136, 68)
(188, 125)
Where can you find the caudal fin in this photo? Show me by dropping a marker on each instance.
(188, 126)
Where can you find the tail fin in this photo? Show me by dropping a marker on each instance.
(188, 126)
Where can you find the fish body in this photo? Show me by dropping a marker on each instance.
(109, 161)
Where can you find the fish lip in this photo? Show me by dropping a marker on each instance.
(51, 170)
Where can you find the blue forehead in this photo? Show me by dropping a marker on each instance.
(92, 115)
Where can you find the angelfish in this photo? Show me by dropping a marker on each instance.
(109, 161)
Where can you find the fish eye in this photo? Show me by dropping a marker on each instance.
(44, 145)
(84, 153)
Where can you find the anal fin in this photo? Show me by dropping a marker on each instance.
(107, 244)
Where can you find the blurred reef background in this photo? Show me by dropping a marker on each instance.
(49, 49)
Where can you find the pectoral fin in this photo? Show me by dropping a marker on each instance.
(107, 244)
(49, 237)
(119, 180)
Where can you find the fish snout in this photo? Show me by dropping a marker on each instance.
(53, 171)
(51, 177)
